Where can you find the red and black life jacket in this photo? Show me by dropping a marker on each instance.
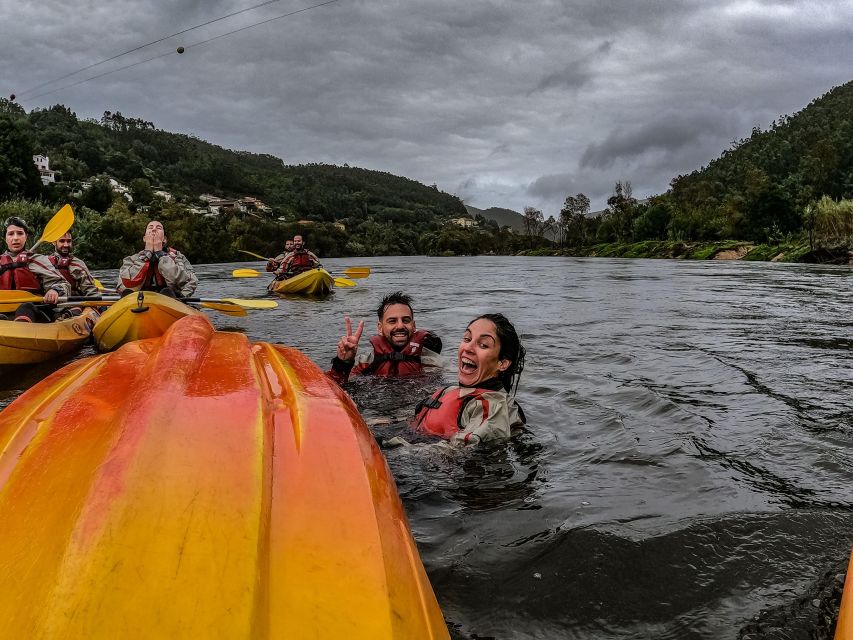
(301, 261)
(63, 265)
(387, 362)
(15, 273)
(441, 414)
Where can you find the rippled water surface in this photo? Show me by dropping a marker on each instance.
(687, 471)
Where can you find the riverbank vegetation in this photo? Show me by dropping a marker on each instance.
(786, 191)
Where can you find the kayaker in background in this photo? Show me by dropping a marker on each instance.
(479, 408)
(30, 272)
(157, 267)
(297, 261)
(399, 348)
(72, 268)
(275, 263)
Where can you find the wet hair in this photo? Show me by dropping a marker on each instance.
(16, 221)
(398, 297)
(511, 349)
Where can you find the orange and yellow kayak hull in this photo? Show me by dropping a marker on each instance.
(316, 282)
(29, 343)
(198, 485)
(134, 318)
(844, 626)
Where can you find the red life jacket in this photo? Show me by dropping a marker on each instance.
(390, 363)
(15, 273)
(63, 265)
(301, 261)
(441, 414)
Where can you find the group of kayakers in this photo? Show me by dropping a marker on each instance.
(490, 356)
(490, 360)
(157, 267)
(293, 260)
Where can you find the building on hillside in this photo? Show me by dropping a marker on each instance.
(160, 193)
(339, 225)
(464, 222)
(207, 197)
(43, 165)
(305, 223)
(120, 189)
(249, 204)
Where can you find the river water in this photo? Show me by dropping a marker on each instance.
(687, 471)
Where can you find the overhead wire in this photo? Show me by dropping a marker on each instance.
(25, 95)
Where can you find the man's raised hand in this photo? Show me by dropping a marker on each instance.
(348, 344)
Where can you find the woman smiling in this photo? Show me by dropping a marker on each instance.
(479, 409)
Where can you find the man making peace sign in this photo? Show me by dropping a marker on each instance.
(399, 349)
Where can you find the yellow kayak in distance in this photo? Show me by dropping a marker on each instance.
(33, 342)
(314, 282)
(136, 317)
(199, 485)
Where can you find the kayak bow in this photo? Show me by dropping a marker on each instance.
(198, 485)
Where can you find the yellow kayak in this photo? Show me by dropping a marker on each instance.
(28, 343)
(198, 486)
(316, 282)
(136, 317)
(844, 627)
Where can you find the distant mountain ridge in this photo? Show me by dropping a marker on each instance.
(504, 217)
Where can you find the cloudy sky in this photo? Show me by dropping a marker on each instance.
(505, 103)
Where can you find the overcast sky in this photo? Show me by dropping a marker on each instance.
(505, 103)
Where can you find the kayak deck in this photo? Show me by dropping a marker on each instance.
(198, 485)
(29, 343)
(137, 318)
(315, 282)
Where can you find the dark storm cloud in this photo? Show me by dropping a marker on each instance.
(506, 103)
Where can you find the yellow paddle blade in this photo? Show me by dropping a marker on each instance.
(252, 304)
(227, 309)
(57, 226)
(357, 272)
(343, 282)
(245, 273)
(16, 295)
(98, 284)
(253, 254)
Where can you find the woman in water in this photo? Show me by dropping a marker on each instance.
(479, 409)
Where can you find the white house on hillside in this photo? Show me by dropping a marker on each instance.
(43, 165)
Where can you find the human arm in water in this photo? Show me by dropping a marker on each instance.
(492, 417)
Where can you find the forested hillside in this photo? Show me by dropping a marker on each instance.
(342, 210)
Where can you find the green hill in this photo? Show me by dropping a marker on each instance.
(762, 184)
(342, 210)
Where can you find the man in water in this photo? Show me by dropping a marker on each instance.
(158, 267)
(275, 263)
(72, 268)
(297, 261)
(398, 349)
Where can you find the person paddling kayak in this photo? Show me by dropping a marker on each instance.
(275, 263)
(157, 267)
(399, 348)
(297, 261)
(30, 272)
(72, 268)
(479, 408)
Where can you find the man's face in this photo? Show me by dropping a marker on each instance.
(288, 246)
(297, 242)
(397, 325)
(63, 245)
(155, 231)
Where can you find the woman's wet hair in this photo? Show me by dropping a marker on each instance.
(398, 297)
(17, 222)
(511, 348)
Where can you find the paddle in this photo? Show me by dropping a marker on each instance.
(255, 255)
(352, 272)
(57, 226)
(15, 297)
